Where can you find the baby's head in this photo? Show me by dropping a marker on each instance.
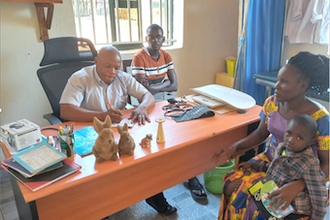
(300, 133)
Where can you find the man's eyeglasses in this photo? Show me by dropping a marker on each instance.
(158, 38)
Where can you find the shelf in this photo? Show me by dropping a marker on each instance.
(44, 21)
(35, 1)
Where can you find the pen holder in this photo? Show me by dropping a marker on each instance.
(67, 143)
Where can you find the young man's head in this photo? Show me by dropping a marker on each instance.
(108, 63)
(155, 37)
(300, 133)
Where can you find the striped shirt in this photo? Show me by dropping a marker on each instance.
(303, 165)
(155, 70)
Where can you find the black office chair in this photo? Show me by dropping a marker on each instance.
(62, 57)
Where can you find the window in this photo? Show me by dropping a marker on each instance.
(122, 23)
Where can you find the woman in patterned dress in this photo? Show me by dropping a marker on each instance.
(303, 71)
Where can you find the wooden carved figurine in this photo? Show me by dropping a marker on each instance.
(105, 147)
(126, 143)
(146, 142)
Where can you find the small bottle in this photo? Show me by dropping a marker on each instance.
(51, 141)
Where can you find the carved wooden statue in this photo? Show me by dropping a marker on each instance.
(105, 147)
(126, 143)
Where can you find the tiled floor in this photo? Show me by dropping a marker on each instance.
(178, 196)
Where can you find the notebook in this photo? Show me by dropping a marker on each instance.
(9, 162)
(259, 192)
(38, 157)
(40, 181)
(84, 140)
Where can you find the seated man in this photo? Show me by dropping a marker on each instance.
(150, 65)
(88, 90)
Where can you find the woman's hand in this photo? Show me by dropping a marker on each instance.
(228, 153)
(286, 194)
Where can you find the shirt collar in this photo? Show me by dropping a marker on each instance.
(308, 151)
(147, 51)
(97, 77)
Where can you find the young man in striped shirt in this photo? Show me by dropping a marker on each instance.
(150, 66)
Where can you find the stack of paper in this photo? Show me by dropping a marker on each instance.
(39, 166)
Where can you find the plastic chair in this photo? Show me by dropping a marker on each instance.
(62, 57)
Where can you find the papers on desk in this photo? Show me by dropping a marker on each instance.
(230, 96)
(39, 166)
(42, 180)
(38, 157)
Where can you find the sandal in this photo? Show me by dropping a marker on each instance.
(194, 185)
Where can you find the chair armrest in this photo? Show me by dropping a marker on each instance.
(52, 119)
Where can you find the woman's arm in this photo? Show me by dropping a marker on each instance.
(255, 138)
(324, 161)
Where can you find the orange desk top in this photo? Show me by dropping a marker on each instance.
(177, 135)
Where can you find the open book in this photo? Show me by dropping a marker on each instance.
(9, 162)
(259, 193)
(42, 180)
(38, 157)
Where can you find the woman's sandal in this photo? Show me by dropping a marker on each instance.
(194, 185)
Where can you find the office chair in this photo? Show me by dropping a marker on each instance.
(62, 57)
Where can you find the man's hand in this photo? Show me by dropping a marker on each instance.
(286, 194)
(115, 115)
(143, 79)
(228, 153)
(140, 116)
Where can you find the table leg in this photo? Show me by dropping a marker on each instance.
(26, 211)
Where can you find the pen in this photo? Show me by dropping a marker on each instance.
(72, 126)
(109, 104)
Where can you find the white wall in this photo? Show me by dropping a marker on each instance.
(290, 50)
(210, 34)
(21, 52)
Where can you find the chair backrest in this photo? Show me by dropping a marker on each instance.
(127, 66)
(63, 56)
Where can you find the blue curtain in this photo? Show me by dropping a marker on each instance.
(263, 43)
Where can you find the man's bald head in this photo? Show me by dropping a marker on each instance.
(107, 51)
(108, 63)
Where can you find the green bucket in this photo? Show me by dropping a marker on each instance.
(213, 178)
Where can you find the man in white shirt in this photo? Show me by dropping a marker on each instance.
(88, 90)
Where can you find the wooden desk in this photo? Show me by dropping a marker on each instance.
(99, 190)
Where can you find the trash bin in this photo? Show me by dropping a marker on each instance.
(231, 64)
(213, 178)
